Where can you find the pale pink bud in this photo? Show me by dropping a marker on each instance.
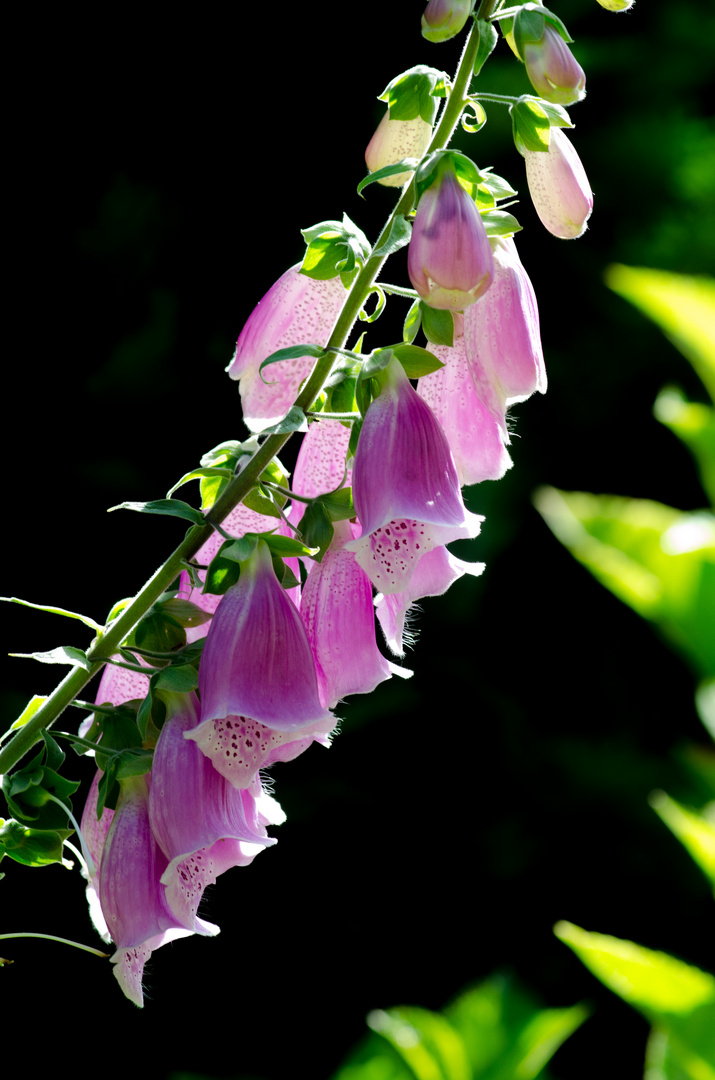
(553, 70)
(395, 140)
(559, 187)
(443, 19)
(449, 259)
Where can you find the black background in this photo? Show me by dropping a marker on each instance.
(162, 166)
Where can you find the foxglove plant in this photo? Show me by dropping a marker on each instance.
(267, 605)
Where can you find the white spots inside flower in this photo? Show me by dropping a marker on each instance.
(239, 746)
(395, 550)
(193, 875)
(129, 970)
(321, 462)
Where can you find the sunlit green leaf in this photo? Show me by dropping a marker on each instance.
(694, 830)
(54, 611)
(170, 507)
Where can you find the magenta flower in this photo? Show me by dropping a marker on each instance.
(403, 464)
(395, 140)
(257, 661)
(476, 436)
(449, 259)
(296, 310)
(501, 333)
(444, 19)
(553, 70)
(559, 187)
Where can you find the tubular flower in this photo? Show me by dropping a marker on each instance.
(501, 333)
(296, 310)
(444, 19)
(257, 661)
(403, 464)
(449, 259)
(553, 70)
(559, 187)
(395, 140)
(476, 436)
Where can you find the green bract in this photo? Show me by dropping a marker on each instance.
(414, 93)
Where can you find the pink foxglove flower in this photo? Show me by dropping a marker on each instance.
(449, 259)
(501, 333)
(395, 140)
(257, 661)
(553, 70)
(132, 896)
(433, 575)
(476, 436)
(403, 464)
(339, 618)
(296, 310)
(444, 19)
(559, 187)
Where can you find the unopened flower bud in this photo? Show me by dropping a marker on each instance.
(553, 70)
(449, 259)
(443, 19)
(616, 5)
(559, 187)
(395, 140)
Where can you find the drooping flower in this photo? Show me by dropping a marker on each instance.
(403, 464)
(132, 897)
(501, 333)
(449, 259)
(394, 140)
(444, 19)
(296, 310)
(559, 187)
(257, 661)
(553, 70)
(476, 436)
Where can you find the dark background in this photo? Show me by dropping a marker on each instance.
(161, 169)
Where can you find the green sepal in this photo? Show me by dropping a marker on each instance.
(355, 430)
(286, 547)
(488, 38)
(122, 765)
(316, 528)
(119, 732)
(530, 125)
(334, 247)
(170, 507)
(416, 361)
(27, 794)
(31, 847)
(500, 223)
(530, 23)
(55, 611)
(407, 164)
(464, 168)
(63, 654)
(557, 114)
(438, 326)
(261, 503)
(495, 186)
(413, 93)
(413, 321)
(294, 419)
(398, 237)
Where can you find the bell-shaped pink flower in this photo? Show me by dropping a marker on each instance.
(257, 661)
(444, 19)
(296, 310)
(449, 259)
(501, 333)
(559, 187)
(395, 140)
(476, 436)
(339, 618)
(403, 464)
(553, 70)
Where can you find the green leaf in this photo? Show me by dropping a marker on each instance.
(54, 611)
(255, 500)
(682, 306)
(316, 529)
(413, 93)
(695, 832)
(180, 679)
(426, 1041)
(658, 560)
(287, 547)
(407, 164)
(221, 575)
(438, 326)
(413, 321)
(416, 361)
(63, 654)
(292, 352)
(655, 983)
(170, 507)
(31, 847)
(295, 418)
(339, 504)
(398, 237)
(27, 713)
(694, 424)
(488, 38)
(199, 474)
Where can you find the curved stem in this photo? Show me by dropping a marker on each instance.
(107, 642)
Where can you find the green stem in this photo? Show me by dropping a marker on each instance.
(106, 644)
(62, 941)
